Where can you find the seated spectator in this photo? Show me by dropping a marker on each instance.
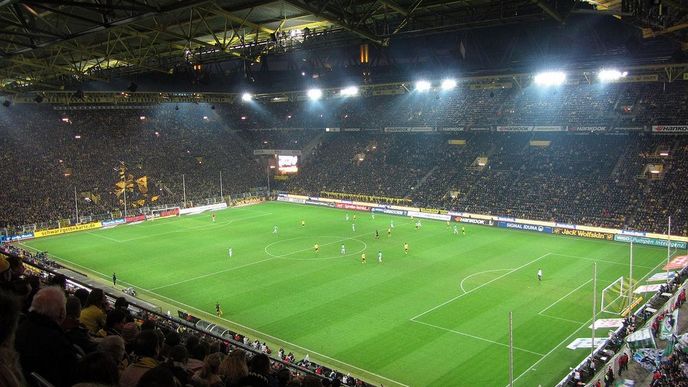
(93, 315)
(82, 295)
(234, 367)
(10, 372)
(146, 350)
(122, 305)
(198, 353)
(97, 367)
(43, 346)
(177, 363)
(160, 376)
(259, 372)
(113, 346)
(114, 322)
(130, 332)
(209, 376)
(75, 331)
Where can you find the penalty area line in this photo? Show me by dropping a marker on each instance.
(477, 337)
(564, 296)
(662, 262)
(478, 273)
(212, 274)
(479, 287)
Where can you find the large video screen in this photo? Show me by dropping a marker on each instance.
(287, 164)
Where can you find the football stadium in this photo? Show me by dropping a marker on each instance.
(215, 193)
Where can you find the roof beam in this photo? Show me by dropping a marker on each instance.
(391, 4)
(219, 10)
(549, 10)
(105, 7)
(336, 20)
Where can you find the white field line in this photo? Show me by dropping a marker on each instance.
(566, 295)
(477, 337)
(262, 334)
(601, 260)
(289, 344)
(478, 273)
(311, 248)
(474, 289)
(212, 274)
(579, 328)
(561, 318)
(199, 227)
(102, 236)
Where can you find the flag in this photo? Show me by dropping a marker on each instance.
(119, 188)
(154, 198)
(142, 183)
(86, 195)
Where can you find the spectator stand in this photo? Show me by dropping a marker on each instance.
(606, 355)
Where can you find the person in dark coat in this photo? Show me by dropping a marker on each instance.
(42, 344)
(259, 372)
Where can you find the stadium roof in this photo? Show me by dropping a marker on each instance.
(44, 41)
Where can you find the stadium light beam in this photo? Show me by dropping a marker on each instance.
(611, 75)
(448, 84)
(246, 97)
(423, 86)
(350, 91)
(550, 78)
(314, 94)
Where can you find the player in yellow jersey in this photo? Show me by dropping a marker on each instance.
(363, 258)
(389, 232)
(406, 248)
(303, 223)
(316, 247)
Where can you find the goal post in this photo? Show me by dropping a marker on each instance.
(616, 296)
(159, 213)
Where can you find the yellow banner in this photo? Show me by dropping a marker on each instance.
(64, 230)
(433, 211)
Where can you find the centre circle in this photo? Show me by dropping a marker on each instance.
(303, 248)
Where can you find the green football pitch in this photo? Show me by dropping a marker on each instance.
(435, 317)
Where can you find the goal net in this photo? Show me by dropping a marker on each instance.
(159, 213)
(617, 296)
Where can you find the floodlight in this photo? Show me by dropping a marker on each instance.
(550, 78)
(314, 94)
(350, 91)
(246, 97)
(610, 75)
(448, 84)
(423, 86)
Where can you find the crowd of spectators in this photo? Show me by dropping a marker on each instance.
(589, 179)
(53, 333)
(594, 179)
